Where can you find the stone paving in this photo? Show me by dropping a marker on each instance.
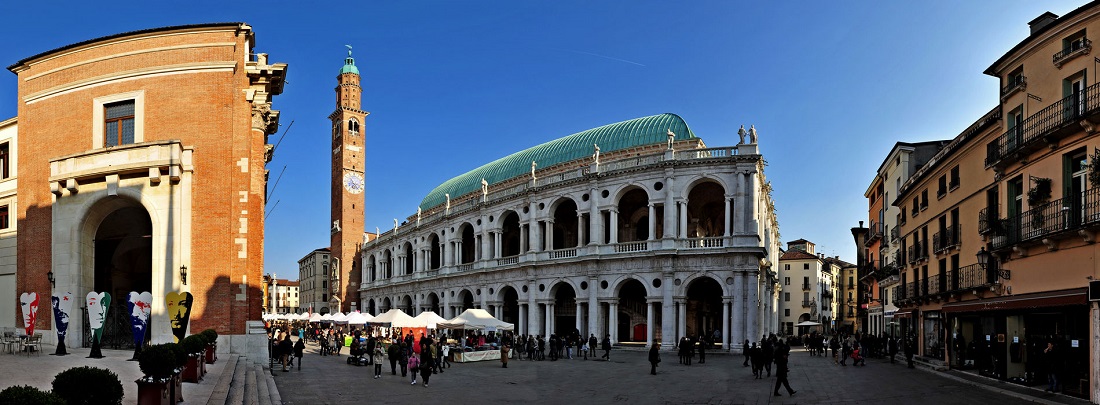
(626, 379)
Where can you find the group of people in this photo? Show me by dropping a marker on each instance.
(761, 355)
(565, 346)
(686, 348)
(286, 351)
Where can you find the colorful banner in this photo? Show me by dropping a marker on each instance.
(179, 312)
(62, 304)
(140, 309)
(29, 303)
(98, 304)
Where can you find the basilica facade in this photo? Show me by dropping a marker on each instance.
(635, 229)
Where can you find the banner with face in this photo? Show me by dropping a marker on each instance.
(140, 309)
(29, 303)
(179, 312)
(98, 303)
(62, 304)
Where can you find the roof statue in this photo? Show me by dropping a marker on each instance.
(377, 232)
(596, 154)
(484, 187)
(741, 132)
(752, 134)
(448, 208)
(349, 50)
(417, 216)
(395, 224)
(533, 165)
(671, 138)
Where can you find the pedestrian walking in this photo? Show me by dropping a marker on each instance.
(286, 349)
(757, 356)
(607, 347)
(1050, 358)
(414, 366)
(592, 344)
(504, 349)
(892, 347)
(703, 348)
(378, 358)
(403, 357)
(445, 359)
(654, 357)
(767, 353)
(299, 349)
(745, 350)
(909, 349)
(781, 370)
(393, 354)
(426, 362)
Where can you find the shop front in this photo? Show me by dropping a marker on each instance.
(1005, 337)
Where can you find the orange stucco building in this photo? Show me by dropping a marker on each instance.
(997, 231)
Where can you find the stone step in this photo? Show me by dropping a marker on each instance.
(263, 396)
(276, 399)
(220, 395)
(251, 393)
(236, 394)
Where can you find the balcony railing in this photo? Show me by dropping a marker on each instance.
(713, 242)
(805, 287)
(948, 238)
(1056, 217)
(808, 304)
(1015, 84)
(987, 219)
(563, 253)
(874, 232)
(631, 247)
(1046, 126)
(1075, 48)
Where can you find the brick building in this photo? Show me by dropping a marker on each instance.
(157, 182)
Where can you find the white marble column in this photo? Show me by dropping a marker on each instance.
(445, 306)
(593, 307)
(667, 313)
(549, 234)
(532, 309)
(681, 318)
(523, 325)
(670, 210)
(683, 219)
(726, 323)
(753, 304)
(499, 236)
(729, 220)
(614, 214)
(754, 206)
(652, 222)
(552, 320)
(499, 311)
(649, 323)
(595, 232)
(613, 321)
(524, 234)
(580, 228)
(737, 318)
(579, 318)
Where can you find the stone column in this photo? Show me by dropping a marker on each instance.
(595, 232)
(752, 322)
(681, 318)
(726, 323)
(729, 221)
(524, 233)
(499, 311)
(593, 307)
(551, 321)
(445, 306)
(532, 308)
(549, 234)
(522, 325)
(577, 323)
(649, 323)
(652, 221)
(667, 314)
(484, 305)
(580, 229)
(670, 210)
(683, 219)
(613, 321)
(754, 206)
(737, 318)
(614, 214)
(497, 252)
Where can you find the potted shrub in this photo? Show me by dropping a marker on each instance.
(211, 345)
(88, 385)
(26, 394)
(158, 363)
(179, 363)
(193, 345)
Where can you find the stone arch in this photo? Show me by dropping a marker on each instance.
(632, 203)
(510, 233)
(385, 305)
(617, 284)
(407, 250)
(407, 305)
(566, 233)
(372, 268)
(432, 303)
(703, 298)
(465, 300)
(564, 294)
(706, 208)
(436, 259)
(630, 293)
(387, 264)
(509, 298)
(467, 237)
(372, 308)
(727, 290)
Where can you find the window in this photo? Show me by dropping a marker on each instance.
(786, 297)
(118, 123)
(5, 161)
(941, 191)
(786, 281)
(805, 266)
(324, 297)
(786, 267)
(954, 182)
(850, 284)
(916, 205)
(353, 127)
(1074, 42)
(787, 312)
(4, 221)
(923, 199)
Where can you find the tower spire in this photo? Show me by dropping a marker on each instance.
(349, 63)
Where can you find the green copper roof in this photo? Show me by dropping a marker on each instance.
(349, 65)
(610, 138)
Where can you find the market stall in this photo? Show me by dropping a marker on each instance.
(476, 319)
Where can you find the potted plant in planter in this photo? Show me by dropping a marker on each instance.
(211, 345)
(1037, 197)
(193, 345)
(25, 394)
(88, 385)
(158, 363)
(180, 357)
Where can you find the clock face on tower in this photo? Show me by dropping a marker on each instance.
(353, 182)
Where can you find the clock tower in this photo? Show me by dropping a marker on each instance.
(347, 189)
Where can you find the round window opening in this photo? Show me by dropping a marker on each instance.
(526, 210)
(542, 287)
(490, 291)
(584, 197)
(542, 206)
(603, 284)
(658, 186)
(605, 193)
(584, 285)
(479, 222)
(656, 283)
(524, 288)
(478, 291)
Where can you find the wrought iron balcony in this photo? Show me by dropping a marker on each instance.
(1015, 83)
(987, 219)
(948, 238)
(1058, 217)
(874, 232)
(1074, 49)
(1045, 127)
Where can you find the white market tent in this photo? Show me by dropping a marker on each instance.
(326, 318)
(429, 319)
(808, 323)
(476, 319)
(303, 317)
(315, 317)
(358, 318)
(340, 317)
(396, 318)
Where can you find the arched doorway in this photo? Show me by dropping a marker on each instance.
(371, 307)
(468, 245)
(706, 211)
(565, 310)
(704, 306)
(123, 263)
(408, 252)
(432, 303)
(634, 216)
(510, 304)
(565, 225)
(510, 235)
(436, 252)
(467, 300)
(632, 312)
(407, 305)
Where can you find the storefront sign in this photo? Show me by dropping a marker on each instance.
(1074, 343)
(1015, 339)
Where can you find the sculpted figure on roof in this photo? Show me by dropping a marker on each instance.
(484, 188)
(671, 138)
(752, 134)
(596, 154)
(741, 132)
(533, 165)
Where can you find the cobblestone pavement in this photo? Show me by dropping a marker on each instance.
(626, 379)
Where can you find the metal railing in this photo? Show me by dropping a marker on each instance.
(1073, 49)
(1034, 129)
(808, 304)
(805, 287)
(1061, 215)
(1014, 83)
(945, 239)
(894, 233)
(987, 218)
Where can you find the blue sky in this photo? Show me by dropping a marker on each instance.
(450, 85)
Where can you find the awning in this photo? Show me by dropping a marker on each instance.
(1073, 296)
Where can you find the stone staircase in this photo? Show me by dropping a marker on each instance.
(244, 383)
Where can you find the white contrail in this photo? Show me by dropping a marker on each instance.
(603, 56)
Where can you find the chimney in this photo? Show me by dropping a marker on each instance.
(1042, 21)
